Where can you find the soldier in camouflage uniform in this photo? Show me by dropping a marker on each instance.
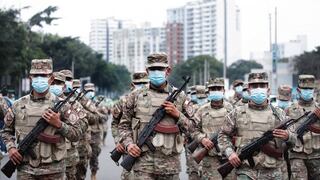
(84, 148)
(50, 150)
(193, 169)
(95, 121)
(237, 86)
(249, 122)
(245, 96)
(284, 97)
(58, 89)
(164, 162)
(305, 158)
(209, 119)
(193, 95)
(139, 80)
(3, 110)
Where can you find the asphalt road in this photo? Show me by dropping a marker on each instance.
(108, 169)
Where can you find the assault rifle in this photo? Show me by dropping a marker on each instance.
(255, 146)
(148, 130)
(307, 125)
(25, 146)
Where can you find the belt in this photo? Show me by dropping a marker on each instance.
(167, 129)
(49, 139)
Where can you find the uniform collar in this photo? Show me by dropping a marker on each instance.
(166, 89)
(36, 99)
(217, 106)
(258, 107)
(301, 102)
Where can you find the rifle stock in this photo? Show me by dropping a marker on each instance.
(116, 155)
(23, 148)
(200, 154)
(192, 146)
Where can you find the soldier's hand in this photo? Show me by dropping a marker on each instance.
(15, 156)
(120, 148)
(234, 160)
(207, 143)
(52, 118)
(171, 109)
(134, 150)
(280, 133)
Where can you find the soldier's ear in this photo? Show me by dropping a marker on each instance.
(168, 71)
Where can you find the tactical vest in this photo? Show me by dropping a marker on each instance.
(251, 124)
(146, 104)
(90, 107)
(311, 140)
(26, 118)
(212, 121)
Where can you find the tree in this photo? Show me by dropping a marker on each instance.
(308, 63)
(238, 69)
(194, 67)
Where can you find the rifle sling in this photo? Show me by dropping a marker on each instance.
(49, 139)
(271, 151)
(167, 129)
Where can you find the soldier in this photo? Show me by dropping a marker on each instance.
(84, 148)
(305, 158)
(164, 162)
(50, 150)
(284, 97)
(237, 86)
(193, 169)
(3, 110)
(95, 121)
(104, 112)
(209, 119)
(193, 94)
(57, 88)
(249, 122)
(139, 80)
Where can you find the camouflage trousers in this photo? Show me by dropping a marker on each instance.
(138, 175)
(210, 165)
(96, 150)
(82, 168)
(193, 168)
(125, 175)
(26, 176)
(305, 169)
(247, 173)
(71, 172)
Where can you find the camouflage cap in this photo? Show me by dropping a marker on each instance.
(216, 82)
(59, 76)
(245, 86)
(306, 81)
(76, 83)
(41, 66)
(284, 92)
(261, 77)
(140, 77)
(89, 87)
(237, 82)
(157, 60)
(67, 73)
(201, 91)
(192, 89)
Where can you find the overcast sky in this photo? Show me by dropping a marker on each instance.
(295, 17)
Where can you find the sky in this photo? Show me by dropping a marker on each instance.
(295, 17)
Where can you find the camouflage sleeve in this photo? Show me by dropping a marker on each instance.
(198, 135)
(70, 128)
(186, 114)
(227, 131)
(116, 114)
(291, 131)
(125, 124)
(3, 108)
(8, 131)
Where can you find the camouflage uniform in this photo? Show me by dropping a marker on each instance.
(305, 158)
(194, 170)
(3, 110)
(164, 162)
(117, 112)
(209, 119)
(84, 148)
(247, 123)
(244, 99)
(26, 111)
(284, 93)
(237, 97)
(95, 121)
(72, 158)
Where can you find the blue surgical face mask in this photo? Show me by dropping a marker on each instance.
(215, 96)
(90, 95)
(194, 97)
(202, 101)
(306, 94)
(157, 78)
(40, 84)
(245, 95)
(68, 86)
(239, 89)
(259, 95)
(283, 104)
(139, 86)
(56, 89)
